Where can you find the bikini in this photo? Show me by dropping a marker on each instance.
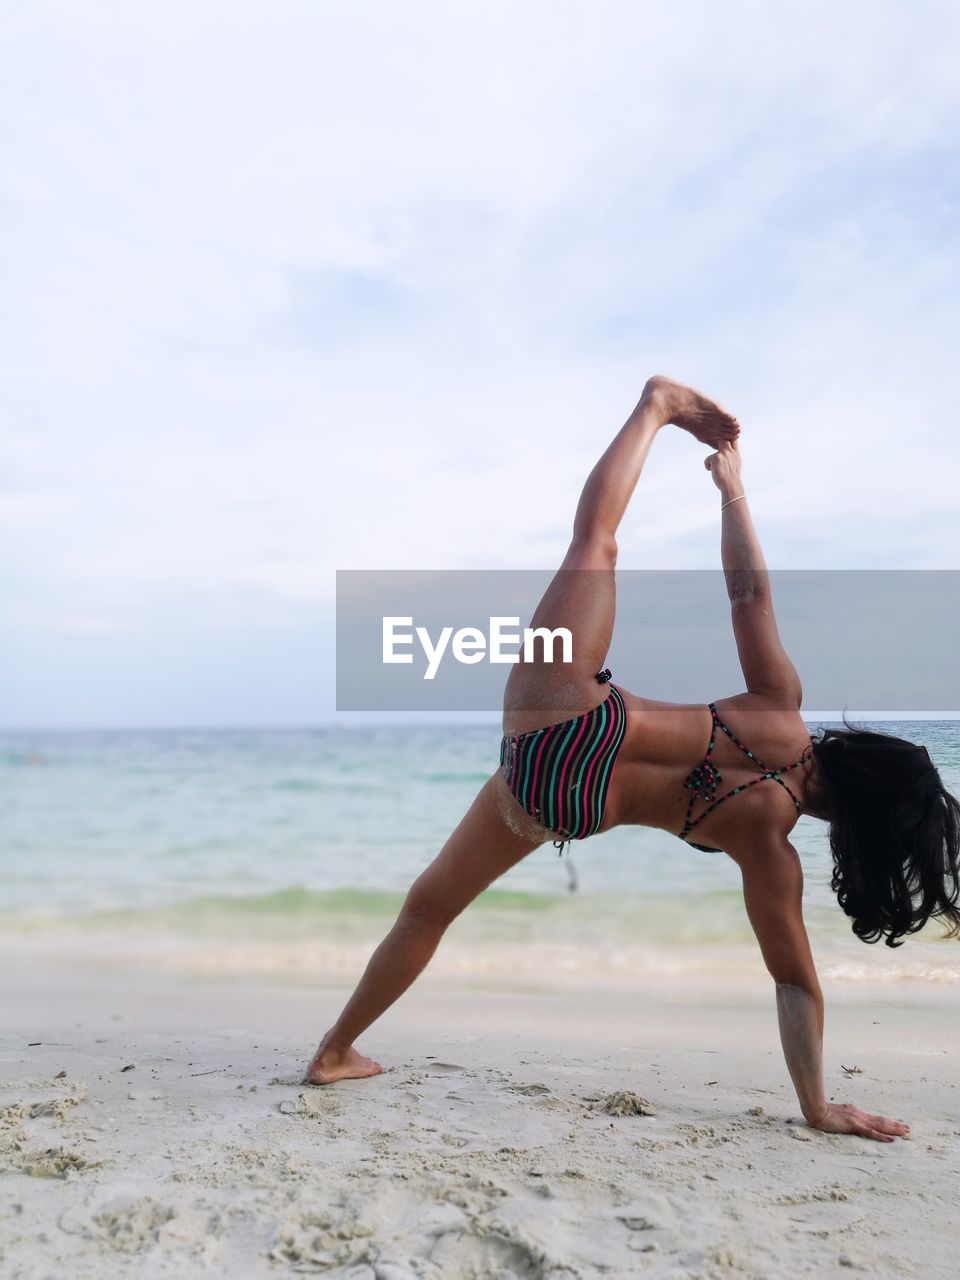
(702, 780)
(560, 775)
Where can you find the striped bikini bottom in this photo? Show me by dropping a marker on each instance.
(561, 774)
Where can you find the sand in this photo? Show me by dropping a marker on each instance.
(162, 1130)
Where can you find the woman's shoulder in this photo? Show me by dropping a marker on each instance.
(761, 705)
(761, 721)
(761, 735)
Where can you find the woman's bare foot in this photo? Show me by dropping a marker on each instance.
(687, 408)
(331, 1064)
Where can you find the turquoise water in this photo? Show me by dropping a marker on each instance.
(261, 841)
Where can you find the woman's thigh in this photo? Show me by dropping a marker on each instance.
(581, 598)
(493, 835)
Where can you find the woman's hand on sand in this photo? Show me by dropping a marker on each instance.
(844, 1117)
(724, 467)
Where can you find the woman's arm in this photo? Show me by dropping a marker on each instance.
(766, 667)
(800, 1014)
(773, 893)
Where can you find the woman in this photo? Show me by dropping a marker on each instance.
(580, 756)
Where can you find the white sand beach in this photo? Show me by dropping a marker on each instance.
(161, 1129)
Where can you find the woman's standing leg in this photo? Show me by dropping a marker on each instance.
(485, 844)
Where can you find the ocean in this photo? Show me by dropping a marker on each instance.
(286, 854)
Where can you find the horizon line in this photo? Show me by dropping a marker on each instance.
(402, 719)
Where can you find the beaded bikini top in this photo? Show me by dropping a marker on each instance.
(703, 779)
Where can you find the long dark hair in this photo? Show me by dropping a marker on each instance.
(894, 832)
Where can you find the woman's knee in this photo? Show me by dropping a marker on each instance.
(424, 905)
(592, 548)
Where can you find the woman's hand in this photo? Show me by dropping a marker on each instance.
(724, 466)
(844, 1117)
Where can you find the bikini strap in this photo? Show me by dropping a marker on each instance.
(785, 768)
(706, 776)
(743, 747)
(703, 776)
(775, 774)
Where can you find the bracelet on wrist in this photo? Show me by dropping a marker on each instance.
(736, 499)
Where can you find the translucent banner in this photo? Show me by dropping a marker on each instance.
(425, 640)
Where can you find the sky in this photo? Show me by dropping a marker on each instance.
(294, 287)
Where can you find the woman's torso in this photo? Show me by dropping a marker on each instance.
(665, 741)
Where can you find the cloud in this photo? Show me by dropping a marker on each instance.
(296, 287)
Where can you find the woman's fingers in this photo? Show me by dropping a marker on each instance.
(886, 1125)
(880, 1137)
(846, 1118)
(879, 1128)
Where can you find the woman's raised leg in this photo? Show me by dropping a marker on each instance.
(582, 595)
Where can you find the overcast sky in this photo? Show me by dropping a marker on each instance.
(292, 287)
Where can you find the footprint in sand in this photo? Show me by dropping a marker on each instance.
(140, 1224)
(459, 1253)
(315, 1103)
(407, 1098)
(651, 1224)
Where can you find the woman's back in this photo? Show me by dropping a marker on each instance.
(661, 779)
